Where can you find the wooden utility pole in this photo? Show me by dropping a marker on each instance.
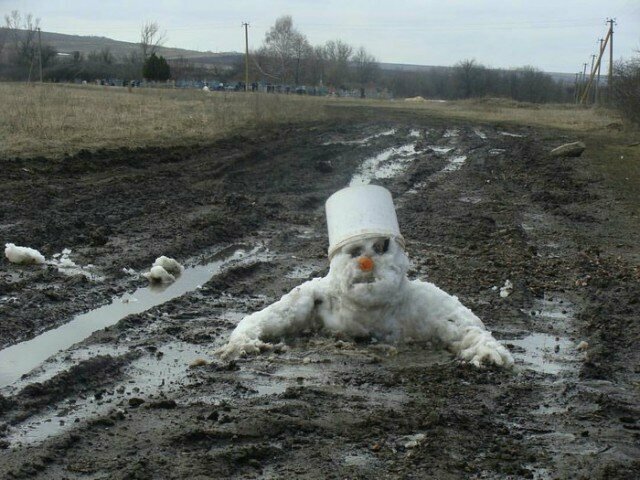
(597, 87)
(583, 77)
(40, 52)
(576, 90)
(592, 71)
(610, 21)
(608, 38)
(246, 56)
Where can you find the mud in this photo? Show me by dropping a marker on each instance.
(143, 397)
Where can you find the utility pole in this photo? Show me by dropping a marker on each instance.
(246, 56)
(576, 92)
(40, 52)
(597, 92)
(592, 71)
(597, 66)
(583, 78)
(610, 21)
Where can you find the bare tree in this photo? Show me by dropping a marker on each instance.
(337, 54)
(150, 39)
(284, 51)
(22, 34)
(365, 66)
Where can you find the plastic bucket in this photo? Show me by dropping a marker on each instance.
(359, 212)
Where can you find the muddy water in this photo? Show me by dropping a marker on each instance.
(21, 358)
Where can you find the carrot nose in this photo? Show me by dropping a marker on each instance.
(365, 264)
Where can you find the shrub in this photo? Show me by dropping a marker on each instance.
(626, 89)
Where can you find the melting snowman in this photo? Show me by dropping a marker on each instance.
(367, 292)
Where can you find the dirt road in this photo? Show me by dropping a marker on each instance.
(143, 397)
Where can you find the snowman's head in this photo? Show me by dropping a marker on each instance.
(369, 272)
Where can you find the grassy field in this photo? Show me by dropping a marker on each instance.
(52, 120)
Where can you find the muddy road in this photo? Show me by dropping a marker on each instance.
(103, 377)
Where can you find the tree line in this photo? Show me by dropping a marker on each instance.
(287, 57)
(22, 54)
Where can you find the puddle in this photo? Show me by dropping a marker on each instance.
(544, 353)
(60, 362)
(21, 358)
(147, 377)
(508, 134)
(387, 164)
(362, 141)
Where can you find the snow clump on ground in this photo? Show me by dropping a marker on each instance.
(23, 255)
(164, 270)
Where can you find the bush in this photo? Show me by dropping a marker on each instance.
(156, 68)
(626, 89)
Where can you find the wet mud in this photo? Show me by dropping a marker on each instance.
(134, 391)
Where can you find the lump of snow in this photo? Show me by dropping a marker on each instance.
(169, 264)
(506, 290)
(158, 274)
(24, 255)
(582, 346)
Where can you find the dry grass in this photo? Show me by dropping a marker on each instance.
(496, 110)
(51, 120)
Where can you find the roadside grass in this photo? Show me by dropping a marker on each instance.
(51, 120)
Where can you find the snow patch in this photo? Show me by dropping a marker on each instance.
(506, 289)
(23, 255)
(158, 274)
(452, 132)
(455, 164)
(508, 134)
(480, 133)
(387, 164)
(62, 261)
(169, 264)
(362, 141)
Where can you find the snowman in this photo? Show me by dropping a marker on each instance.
(367, 294)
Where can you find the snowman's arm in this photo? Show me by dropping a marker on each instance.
(444, 317)
(292, 313)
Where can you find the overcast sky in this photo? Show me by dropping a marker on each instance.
(553, 35)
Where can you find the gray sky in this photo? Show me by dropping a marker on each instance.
(553, 35)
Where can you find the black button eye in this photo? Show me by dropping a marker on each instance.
(381, 246)
(355, 252)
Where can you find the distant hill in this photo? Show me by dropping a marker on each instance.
(67, 44)
(407, 67)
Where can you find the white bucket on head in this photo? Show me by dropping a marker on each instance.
(359, 212)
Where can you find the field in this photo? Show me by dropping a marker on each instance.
(103, 377)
